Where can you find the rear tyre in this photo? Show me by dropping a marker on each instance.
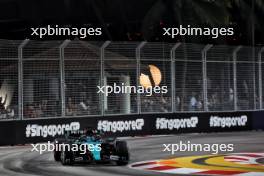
(57, 156)
(122, 152)
(66, 158)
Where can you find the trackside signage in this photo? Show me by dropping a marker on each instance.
(51, 130)
(41, 130)
(120, 126)
(179, 123)
(228, 122)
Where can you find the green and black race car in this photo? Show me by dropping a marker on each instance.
(90, 146)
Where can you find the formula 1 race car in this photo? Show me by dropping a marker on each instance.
(90, 146)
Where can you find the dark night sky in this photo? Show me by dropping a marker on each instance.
(119, 19)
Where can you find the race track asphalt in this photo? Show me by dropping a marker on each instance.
(20, 161)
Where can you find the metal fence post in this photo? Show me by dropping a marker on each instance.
(254, 79)
(20, 78)
(260, 76)
(102, 75)
(173, 86)
(138, 55)
(204, 59)
(235, 75)
(62, 77)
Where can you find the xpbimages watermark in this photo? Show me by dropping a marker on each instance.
(50, 147)
(123, 89)
(197, 31)
(55, 30)
(191, 147)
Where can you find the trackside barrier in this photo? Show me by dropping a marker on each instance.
(33, 131)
